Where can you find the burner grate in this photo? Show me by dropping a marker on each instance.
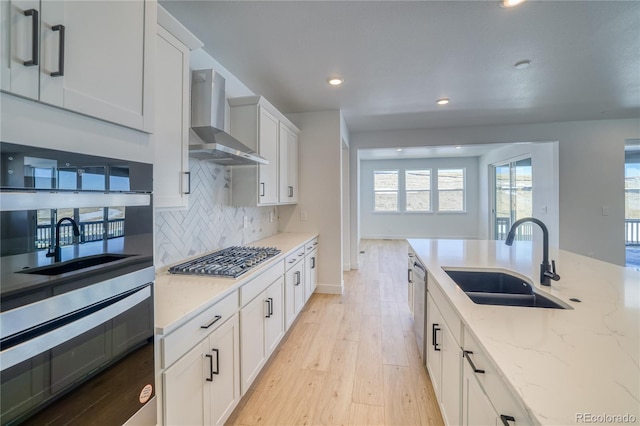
(230, 262)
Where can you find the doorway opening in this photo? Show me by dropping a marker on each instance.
(632, 203)
(513, 198)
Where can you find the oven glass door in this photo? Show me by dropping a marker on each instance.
(97, 366)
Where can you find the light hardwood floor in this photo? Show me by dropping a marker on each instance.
(349, 359)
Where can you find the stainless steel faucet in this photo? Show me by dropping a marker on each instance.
(56, 248)
(547, 271)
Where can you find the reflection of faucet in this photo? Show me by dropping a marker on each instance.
(547, 272)
(56, 248)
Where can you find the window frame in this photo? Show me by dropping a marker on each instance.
(429, 191)
(386, 191)
(463, 190)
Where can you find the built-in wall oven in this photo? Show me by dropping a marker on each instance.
(76, 290)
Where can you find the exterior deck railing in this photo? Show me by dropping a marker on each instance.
(523, 233)
(632, 232)
(89, 231)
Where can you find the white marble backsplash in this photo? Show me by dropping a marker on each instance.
(210, 222)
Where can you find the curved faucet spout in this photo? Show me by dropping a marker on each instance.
(56, 248)
(547, 270)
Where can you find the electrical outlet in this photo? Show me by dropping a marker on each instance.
(304, 215)
(605, 210)
(271, 216)
(245, 222)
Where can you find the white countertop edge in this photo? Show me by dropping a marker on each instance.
(234, 283)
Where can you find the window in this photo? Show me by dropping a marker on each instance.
(418, 190)
(385, 187)
(451, 190)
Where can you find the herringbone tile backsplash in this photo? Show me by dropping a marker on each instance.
(210, 222)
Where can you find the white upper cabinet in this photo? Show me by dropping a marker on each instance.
(92, 57)
(288, 166)
(171, 178)
(257, 124)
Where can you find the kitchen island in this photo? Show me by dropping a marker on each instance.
(564, 366)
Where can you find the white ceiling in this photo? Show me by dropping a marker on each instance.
(398, 57)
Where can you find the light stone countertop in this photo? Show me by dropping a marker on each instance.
(180, 298)
(560, 363)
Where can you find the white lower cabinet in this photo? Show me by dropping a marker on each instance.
(203, 387)
(310, 273)
(294, 290)
(485, 393)
(466, 382)
(443, 362)
(262, 323)
(476, 406)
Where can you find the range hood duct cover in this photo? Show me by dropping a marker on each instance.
(207, 121)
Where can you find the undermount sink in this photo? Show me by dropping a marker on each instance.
(499, 288)
(75, 264)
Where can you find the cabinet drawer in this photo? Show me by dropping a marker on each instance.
(311, 245)
(260, 283)
(449, 315)
(294, 257)
(184, 338)
(492, 382)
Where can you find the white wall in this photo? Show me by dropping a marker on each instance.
(545, 203)
(414, 224)
(590, 165)
(319, 203)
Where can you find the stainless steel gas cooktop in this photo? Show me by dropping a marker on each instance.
(230, 262)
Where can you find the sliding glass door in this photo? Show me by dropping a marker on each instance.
(513, 198)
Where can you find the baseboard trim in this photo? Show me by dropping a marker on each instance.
(329, 289)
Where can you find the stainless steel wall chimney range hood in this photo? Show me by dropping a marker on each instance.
(207, 121)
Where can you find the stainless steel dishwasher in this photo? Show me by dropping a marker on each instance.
(419, 305)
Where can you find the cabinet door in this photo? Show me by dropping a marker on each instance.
(108, 59)
(310, 273)
(223, 392)
(293, 292)
(252, 318)
(268, 148)
(450, 385)
(434, 346)
(17, 47)
(293, 166)
(183, 388)
(171, 137)
(476, 406)
(274, 320)
(288, 166)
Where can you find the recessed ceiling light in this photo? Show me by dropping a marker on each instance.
(520, 65)
(442, 101)
(336, 81)
(458, 147)
(510, 3)
(399, 149)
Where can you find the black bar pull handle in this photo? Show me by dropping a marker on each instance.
(262, 189)
(268, 301)
(60, 72)
(271, 306)
(213, 321)
(434, 338)
(291, 191)
(506, 419)
(210, 378)
(313, 262)
(297, 278)
(188, 191)
(473, 366)
(35, 38)
(217, 371)
(409, 275)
